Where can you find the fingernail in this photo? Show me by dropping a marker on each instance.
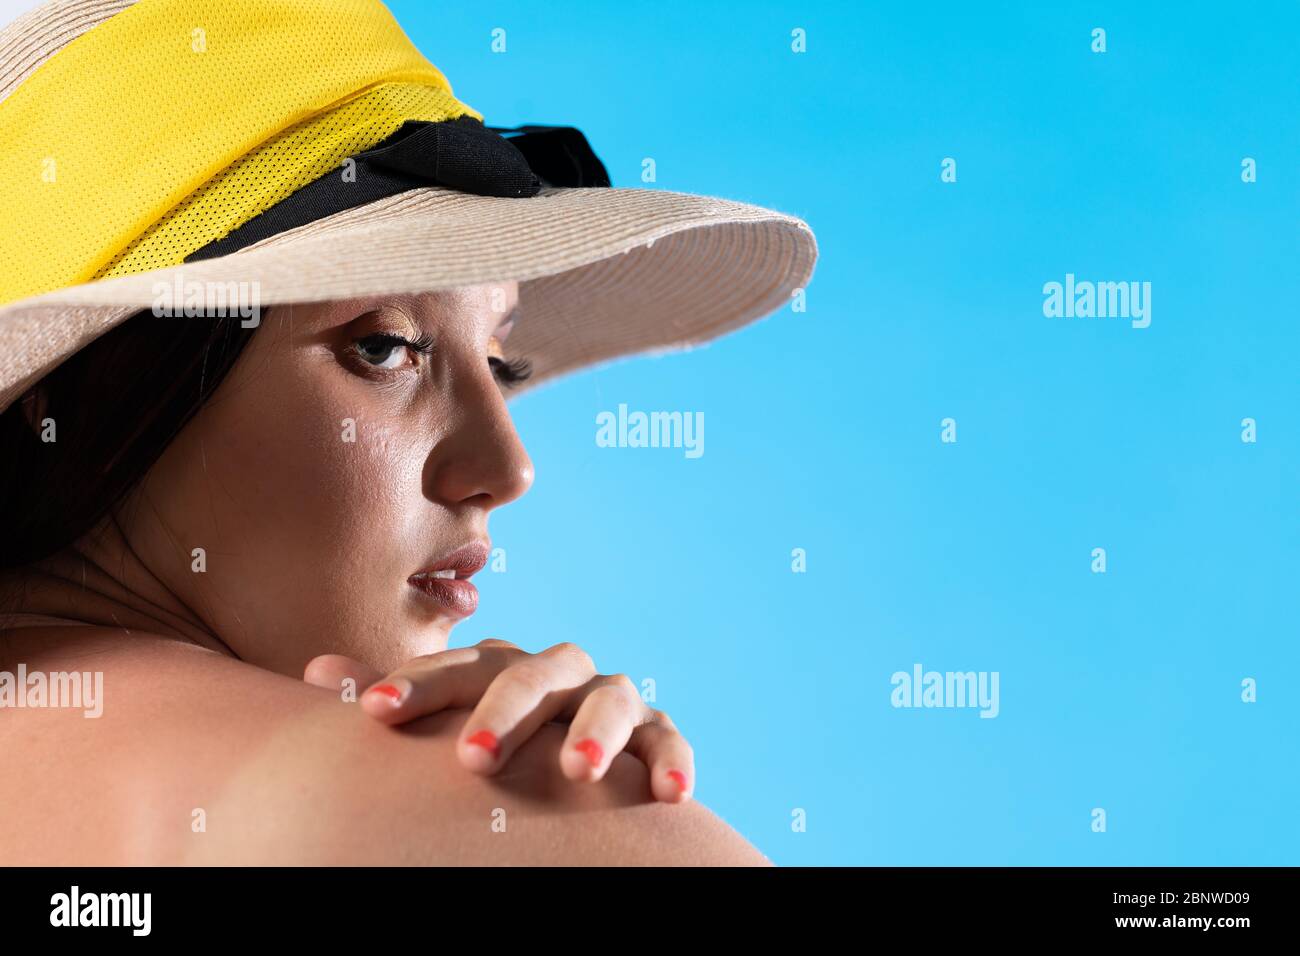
(592, 749)
(679, 778)
(391, 691)
(487, 740)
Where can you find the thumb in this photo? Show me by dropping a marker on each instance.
(330, 670)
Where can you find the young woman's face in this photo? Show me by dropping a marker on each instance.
(333, 464)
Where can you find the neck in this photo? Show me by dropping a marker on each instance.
(99, 580)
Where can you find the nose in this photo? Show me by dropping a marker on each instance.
(480, 459)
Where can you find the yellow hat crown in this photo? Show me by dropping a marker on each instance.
(174, 122)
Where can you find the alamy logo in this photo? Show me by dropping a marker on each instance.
(947, 689)
(102, 909)
(1100, 300)
(192, 300)
(82, 690)
(651, 430)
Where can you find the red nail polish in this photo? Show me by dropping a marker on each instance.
(487, 740)
(679, 778)
(388, 690)
(592, 749)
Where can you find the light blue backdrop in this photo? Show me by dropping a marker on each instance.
(1120, 691)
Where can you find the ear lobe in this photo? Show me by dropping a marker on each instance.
(35, 403)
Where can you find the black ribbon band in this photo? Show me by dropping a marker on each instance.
(460, 154)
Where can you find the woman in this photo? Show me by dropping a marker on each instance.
(201, 510)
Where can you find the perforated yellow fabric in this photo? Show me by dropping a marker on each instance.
(174, 121)
(287, 162)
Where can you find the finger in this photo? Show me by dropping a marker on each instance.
(518, 701)
(331, 670)
(671, 760)
(453, 678)
(600, 729)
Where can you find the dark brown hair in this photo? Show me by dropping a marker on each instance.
(115, 406)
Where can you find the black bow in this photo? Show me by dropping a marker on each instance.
(462, 154)
(559, 155)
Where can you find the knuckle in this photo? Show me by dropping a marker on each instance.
(497, 642)
(571, 653)
(624, 683)
(661, 717)
(525, 680)
(622, 687)
(620, 690)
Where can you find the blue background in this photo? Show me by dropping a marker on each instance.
(1119, 690)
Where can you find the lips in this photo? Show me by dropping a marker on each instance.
(446, 581)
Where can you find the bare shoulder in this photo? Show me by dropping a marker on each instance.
(196, 758)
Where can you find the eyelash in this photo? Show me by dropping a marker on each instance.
(508, 373)
(513, 372)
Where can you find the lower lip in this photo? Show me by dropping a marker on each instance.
(457, 596)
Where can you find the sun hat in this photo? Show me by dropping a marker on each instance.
(304, 150)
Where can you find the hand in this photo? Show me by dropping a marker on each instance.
(513, 693)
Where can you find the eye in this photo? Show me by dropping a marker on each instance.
(510, 373)
(386, 351)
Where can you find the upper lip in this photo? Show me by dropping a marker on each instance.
(465, 561)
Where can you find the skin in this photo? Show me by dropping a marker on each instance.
(310, 540)
(202, 759)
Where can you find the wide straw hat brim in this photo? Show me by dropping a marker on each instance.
(603, 272)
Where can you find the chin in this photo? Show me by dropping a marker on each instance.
(418, 639)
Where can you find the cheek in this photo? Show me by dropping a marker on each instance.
(309, 471)
(332, 466)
